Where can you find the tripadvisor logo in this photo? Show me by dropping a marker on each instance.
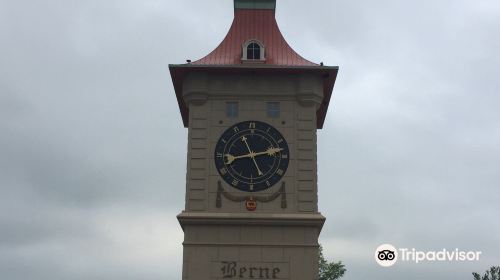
(387, 255)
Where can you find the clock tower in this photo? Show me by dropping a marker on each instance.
(252, 107)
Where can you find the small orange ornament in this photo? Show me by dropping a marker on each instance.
(251, 204)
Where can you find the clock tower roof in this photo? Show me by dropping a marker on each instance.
(254, 22)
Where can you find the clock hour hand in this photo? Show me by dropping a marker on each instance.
(270, 152)
(230, 158)
(252, 155)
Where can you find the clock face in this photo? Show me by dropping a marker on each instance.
(251, 156)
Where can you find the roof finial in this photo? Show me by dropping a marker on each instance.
(255, 4)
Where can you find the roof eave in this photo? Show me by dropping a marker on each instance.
(179, 71)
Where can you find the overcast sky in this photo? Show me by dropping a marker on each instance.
(93, 151)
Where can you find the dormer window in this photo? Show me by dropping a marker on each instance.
(253, 51)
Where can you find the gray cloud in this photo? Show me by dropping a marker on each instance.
(412, 140)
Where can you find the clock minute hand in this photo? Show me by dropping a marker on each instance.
(252, 155)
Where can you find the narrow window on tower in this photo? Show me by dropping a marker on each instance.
(273, 109)
(232, 109)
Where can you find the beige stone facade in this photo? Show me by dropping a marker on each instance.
(227, 241)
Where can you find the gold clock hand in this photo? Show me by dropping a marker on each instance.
(270, 152)
(252, 155)
(230, 158)
(258, 170)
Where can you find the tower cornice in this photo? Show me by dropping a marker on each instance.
(328, 73)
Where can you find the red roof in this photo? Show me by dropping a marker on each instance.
(262, 26)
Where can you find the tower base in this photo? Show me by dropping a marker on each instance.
(250, 245)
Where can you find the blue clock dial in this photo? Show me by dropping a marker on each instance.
(251, 156)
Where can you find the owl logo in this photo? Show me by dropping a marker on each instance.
(386, 255)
